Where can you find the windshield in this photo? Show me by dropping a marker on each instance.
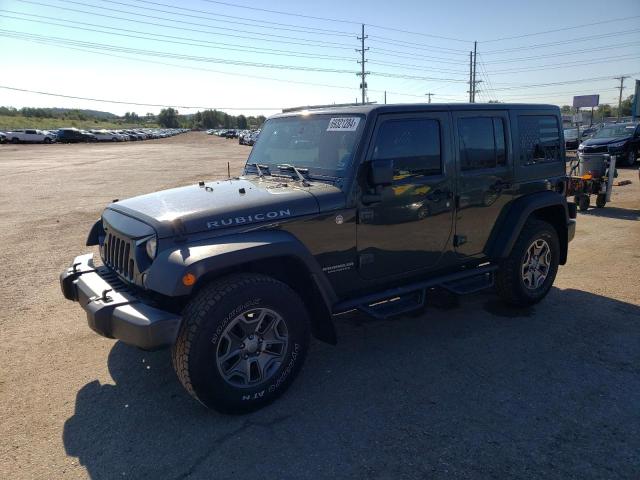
(323, 144)
(571, 133)
(615, 131)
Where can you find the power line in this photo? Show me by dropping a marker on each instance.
(135, 103)
(596, 61)
(228, 46)
(311, 42)
(154, 53)
(566, 82)
(209, 13)
(563, 29)
(336, 20)
(563, 42)
(562, 54)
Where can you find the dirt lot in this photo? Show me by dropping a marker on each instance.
(479, 391)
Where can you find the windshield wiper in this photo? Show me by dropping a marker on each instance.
(259, 168)
(298, 172)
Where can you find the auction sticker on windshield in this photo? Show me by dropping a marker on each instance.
(343, 124)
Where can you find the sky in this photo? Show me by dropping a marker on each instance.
(257, 57)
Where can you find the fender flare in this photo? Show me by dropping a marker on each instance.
(508, 227)
(226, 252)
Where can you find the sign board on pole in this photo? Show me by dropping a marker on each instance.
(577, 118)
(586, 101)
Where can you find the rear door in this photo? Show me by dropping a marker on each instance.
(410, 229)
(485, 176)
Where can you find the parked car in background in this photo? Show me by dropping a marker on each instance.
(29, 136)
(3, 137)
(107, 136)
(620, 139)
(73, 135)
(571, 138)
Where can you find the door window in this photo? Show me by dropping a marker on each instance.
(412, 144)
(482, 143)
(539, 139)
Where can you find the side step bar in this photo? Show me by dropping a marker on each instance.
(409, 298)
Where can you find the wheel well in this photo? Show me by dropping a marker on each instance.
(294, 273)
(556, 217)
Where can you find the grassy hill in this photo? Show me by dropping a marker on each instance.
(20, 121)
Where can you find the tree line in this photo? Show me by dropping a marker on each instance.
(170, 118)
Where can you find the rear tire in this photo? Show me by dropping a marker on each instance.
(601, 200)
(216, 356)
(526, 275)
(15, 141)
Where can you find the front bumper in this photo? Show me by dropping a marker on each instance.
(113, 310)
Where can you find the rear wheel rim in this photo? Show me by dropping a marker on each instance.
(252, 348)
(536, 264)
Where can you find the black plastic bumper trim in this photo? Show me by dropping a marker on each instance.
(117, 313)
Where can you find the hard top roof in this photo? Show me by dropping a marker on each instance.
(366, 109)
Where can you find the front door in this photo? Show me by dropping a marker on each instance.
(410, 229)
(485, 176)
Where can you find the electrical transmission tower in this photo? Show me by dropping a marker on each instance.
(429, 94)
(363, 73)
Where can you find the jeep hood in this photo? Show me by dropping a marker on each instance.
(240, 202)
(604, 141)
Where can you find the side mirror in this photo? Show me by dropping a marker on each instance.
(381, 173)
(380, 178)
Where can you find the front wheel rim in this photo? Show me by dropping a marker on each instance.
(252, 348)
(536, 264)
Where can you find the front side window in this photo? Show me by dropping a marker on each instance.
(412, 144)
(539, 139)
(324, 144)
(482, 143)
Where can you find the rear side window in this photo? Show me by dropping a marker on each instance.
(412, 144)
(482, 143)
(539, 139)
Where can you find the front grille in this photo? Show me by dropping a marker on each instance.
(117, 254)
(596, 149)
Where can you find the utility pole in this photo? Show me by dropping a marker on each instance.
(473, 87)
(621, 87)
(385, 97)
(362, 61)
(429, 95)
(470, 73)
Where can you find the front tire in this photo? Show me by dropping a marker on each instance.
(242, 342)
(630, 158)
(526, 275)
(583, 201)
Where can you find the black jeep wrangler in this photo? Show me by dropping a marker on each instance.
(366, 208)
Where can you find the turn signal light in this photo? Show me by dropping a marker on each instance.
(189, 279)
(587, 176)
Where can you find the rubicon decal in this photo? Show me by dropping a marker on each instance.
(242, 220)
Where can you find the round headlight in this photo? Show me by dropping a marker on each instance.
(152, 247)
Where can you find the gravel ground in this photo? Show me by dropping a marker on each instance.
(475, 391)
